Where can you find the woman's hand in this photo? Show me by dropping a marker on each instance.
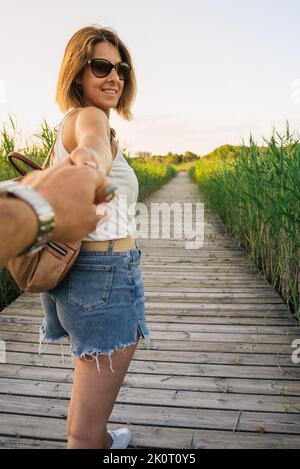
(80, 155)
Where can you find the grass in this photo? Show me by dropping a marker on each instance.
(256, 192)
(183, 166)
(151, 176)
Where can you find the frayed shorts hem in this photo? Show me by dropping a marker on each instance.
(44, 339)
(121, 347)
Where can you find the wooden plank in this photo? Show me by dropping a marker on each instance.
(236, 359)
(217, 313)
(169, 345)
(179, 327)
(159, 437)
(265, 307)
(46, 427)
(183, 369)
(43, 406)
(186, 310)
(180, 244)
(193, 305)
(187, 285)
(205, 276)
(205, 384)
(176, 253)
(225, 294)
(180, 319)
(252, 339)
(17, 442)
(223, 298)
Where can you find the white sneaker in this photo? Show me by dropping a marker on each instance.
(120, 438)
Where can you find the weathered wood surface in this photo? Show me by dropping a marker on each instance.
(219, 373)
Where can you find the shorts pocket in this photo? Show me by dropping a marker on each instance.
(136, 258)
(90, 285)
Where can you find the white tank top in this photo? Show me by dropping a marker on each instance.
(122, 207)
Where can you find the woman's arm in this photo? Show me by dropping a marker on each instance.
(92, 137)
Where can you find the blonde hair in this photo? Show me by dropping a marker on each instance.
(78, 51)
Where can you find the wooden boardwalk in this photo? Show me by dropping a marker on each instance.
(219, 373)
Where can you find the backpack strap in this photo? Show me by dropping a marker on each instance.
(14, 156)
(48, 157)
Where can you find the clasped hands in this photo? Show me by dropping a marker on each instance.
(73, 188)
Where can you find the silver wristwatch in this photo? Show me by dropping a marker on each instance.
(42, 208)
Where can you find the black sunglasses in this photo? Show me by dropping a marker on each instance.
(101, 68)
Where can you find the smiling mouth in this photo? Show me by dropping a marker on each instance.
(109, 93)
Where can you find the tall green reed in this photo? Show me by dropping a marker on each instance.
(36, 150)
(257, 195)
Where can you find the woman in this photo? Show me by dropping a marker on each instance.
(99, 305)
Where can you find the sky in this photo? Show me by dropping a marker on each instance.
(209, 72)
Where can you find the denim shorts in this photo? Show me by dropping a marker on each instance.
(99, 305)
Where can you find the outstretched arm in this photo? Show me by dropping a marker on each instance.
(92, 136)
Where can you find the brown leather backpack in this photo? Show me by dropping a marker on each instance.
(41, 271)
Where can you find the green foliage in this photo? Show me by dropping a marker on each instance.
(256, 192)
(9, 290)
(171, 158)
(35, 152)
(224, 152)
(151, 176)
(189, 156)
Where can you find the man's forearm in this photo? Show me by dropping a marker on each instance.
(18, 228)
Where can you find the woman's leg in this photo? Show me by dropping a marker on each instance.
(93, 396)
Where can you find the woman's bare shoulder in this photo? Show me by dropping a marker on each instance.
(88, 115)
(90, 112)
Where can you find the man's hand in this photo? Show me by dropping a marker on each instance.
(73, 191)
